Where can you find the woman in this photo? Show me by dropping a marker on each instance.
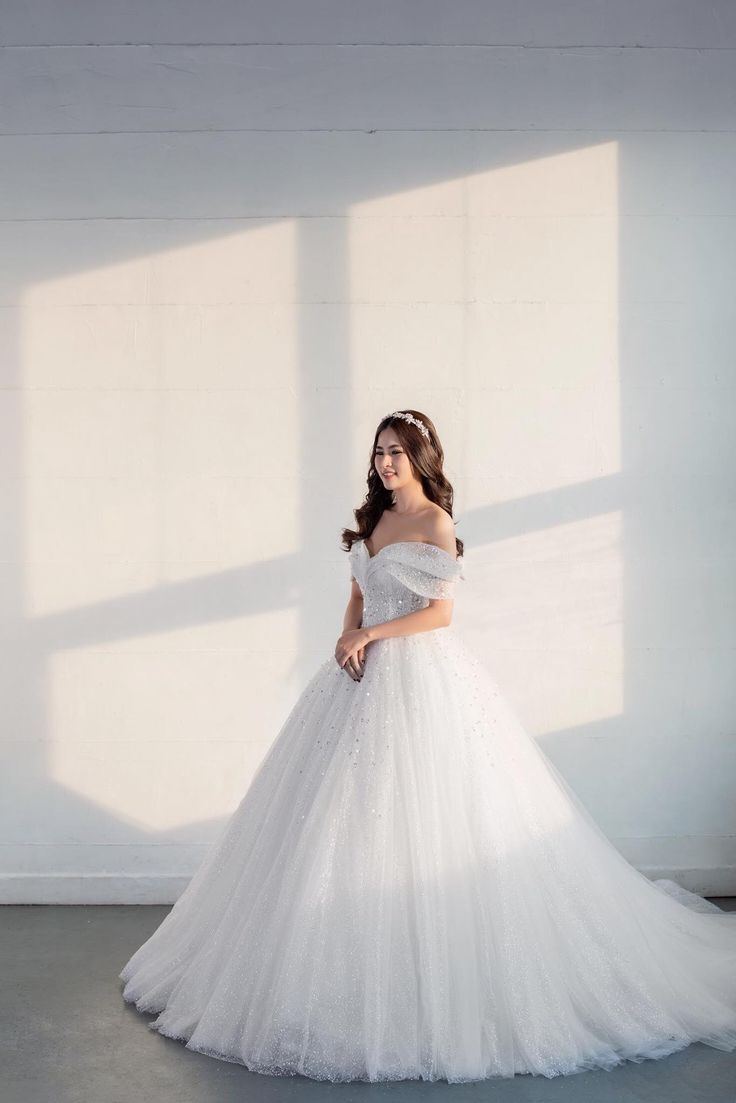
(409, 889)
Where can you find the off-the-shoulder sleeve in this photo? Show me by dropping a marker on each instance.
(427, 570)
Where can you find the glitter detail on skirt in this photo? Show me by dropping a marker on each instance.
(409, 889)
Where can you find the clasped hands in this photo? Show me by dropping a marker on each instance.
(350, 652)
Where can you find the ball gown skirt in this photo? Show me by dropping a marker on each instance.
(409, 889)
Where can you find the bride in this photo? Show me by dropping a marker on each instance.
(409, 889)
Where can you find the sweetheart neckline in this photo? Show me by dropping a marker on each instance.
(394, 543)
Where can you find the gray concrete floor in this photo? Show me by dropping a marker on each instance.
(67, 1036)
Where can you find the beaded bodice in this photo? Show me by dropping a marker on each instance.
(402, 577)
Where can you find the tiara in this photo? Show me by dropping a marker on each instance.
(413, 421)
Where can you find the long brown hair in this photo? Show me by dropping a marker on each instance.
(426, 458)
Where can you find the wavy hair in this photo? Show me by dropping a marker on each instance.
(426, 458)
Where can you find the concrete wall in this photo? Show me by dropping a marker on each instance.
(233, 239)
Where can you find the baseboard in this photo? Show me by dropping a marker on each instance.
(67, 888)
(115, 889)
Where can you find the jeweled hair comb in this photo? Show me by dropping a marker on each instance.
(412, 421)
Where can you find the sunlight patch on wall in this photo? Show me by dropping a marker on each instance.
(582, 182)
(540, 434)
(164, 730)
(160, 410)
(493, 304)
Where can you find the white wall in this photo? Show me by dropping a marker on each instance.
(232, 235)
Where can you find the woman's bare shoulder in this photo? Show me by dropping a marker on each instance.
(440, 529)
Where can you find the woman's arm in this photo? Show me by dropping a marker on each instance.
(354, 610)
(352, 663)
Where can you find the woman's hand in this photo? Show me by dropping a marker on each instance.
(350, 652)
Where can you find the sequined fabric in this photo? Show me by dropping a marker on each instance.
(402, 577)
(409, 889)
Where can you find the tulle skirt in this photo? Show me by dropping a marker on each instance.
(410, 890)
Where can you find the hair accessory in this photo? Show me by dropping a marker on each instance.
(413, 421)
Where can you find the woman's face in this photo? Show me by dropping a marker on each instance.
(391, 461)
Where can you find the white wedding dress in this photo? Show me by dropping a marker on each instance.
(409, 889)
